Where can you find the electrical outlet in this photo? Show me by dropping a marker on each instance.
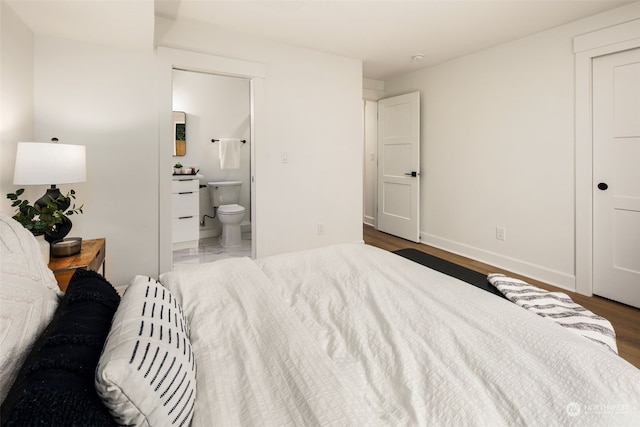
(501, 233)
(284, 157)
(320, 229)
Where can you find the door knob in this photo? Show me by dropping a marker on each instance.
(414, 174)
(602, 186)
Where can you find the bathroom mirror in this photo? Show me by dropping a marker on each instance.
(180, 132)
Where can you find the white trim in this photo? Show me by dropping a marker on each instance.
(586, 47)
(533, 271)
(210, 232)
(193, 244)
(245, 227)
(193, 61)
(369, 220)
(169, 59)
(606, 36)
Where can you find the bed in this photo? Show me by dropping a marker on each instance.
(347, 335)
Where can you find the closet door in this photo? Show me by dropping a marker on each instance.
(616, 176)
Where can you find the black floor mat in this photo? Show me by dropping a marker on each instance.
(454, 270)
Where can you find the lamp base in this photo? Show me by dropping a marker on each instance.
(52, 194)
(66, 247)
(62, 229)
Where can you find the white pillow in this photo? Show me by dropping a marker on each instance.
(26, 308)
(28, 297)
(147, 372)
(21, 255)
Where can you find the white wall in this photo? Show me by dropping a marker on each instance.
(216, 107)
(313, 113)
(96, 96)
(16, 100)
(105, 98)
(498, 150)
(372, 89)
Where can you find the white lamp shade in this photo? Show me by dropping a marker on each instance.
(47, 163)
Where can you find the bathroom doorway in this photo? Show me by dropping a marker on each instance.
(215, 107)
(170, 59)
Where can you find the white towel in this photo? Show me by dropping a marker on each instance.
(230, 153)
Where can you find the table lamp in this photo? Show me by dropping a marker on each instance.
(50, 163)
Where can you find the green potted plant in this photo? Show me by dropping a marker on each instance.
(49, 217)
(177, 168)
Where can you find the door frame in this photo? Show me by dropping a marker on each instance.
(370, 182)
(169, 59)
(609, 40)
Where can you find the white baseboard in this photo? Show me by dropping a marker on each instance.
(369, 220)
(209, 232)
(524, 268)
(205, 232)
(192, 244)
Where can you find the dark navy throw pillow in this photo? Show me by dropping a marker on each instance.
(55, 385)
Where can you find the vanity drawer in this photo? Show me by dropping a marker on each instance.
(185, 204)
(185, 229)
(179, 186)
(185, 209)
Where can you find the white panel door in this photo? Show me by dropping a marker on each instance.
(399, 166)
(616, 176)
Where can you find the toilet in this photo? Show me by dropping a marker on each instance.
(225, 196)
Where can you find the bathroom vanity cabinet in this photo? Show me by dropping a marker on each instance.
(185, 206)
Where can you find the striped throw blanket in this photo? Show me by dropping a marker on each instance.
(558, 307)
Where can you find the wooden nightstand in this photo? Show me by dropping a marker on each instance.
(91, 257)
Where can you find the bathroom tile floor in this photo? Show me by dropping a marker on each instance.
(209, 249)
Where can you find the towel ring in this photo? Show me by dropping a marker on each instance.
(244, 141)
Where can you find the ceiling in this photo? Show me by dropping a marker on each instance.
(384, 34)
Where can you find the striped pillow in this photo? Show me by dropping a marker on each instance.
(146, 374)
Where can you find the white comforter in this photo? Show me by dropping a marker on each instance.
(353, 335)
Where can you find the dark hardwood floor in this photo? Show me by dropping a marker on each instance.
(625, 319)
